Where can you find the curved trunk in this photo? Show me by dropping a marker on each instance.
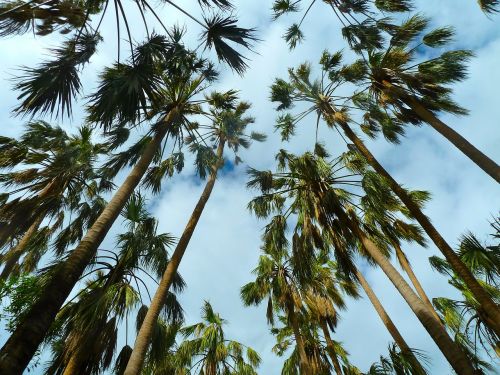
(305, 369)
(136, 360)
(388, 323)
(403, 261)
(457, 359)
(17, 251)
(330, 347)
(31, 330)
(481, 160)
(491, 309)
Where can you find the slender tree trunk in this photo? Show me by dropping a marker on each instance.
(305, 368)
(74, 364)
(143, 339)
(491, 309)
(457, 359)
(481, 160)
(403, 260)
(31, 330)
(330, 346)
(388, 323)
(17, 251)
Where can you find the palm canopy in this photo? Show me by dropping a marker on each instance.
(50, 171)
(208, 351)
(85, 332)
(383, 78)
(52, 86)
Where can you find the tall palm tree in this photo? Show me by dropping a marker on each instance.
(169, 88)
(415, 92)
(276, 282)
(321, 100)
(228, 128)
(309, 183)
(86, 328)
(54, 172)
(209, 352)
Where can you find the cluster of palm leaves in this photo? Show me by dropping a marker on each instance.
(72, 292)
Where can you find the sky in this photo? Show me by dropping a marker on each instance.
(225, 246)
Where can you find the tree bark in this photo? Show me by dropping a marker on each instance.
(468, 149)
(17, 251)
(388, 323)
(31, 330)
(492, 311)
(143, 339)
(305, 369)
(330, 346)
(403, 260)
(457, 359)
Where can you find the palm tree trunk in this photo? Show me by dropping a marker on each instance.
(31, 330)
(457, 359)
(388, 323)
(481, 160)
(143, 339)
(330, 346)
(74, 364)
(305, 368)
(17, 251)
(403, 261)
(491, 309)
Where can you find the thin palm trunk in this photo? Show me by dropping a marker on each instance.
(457, 359)
(305, 368)
(17, 251)
(403, 261)
(143, 339)
(74, 364)
(469, 150)
(492, 311)
(388, 323)
(31, 330)
(330, 347)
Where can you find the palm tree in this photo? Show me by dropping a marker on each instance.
(86, 329)
(316, 352)
(228, 127)
(321, 100)
(54, 171)
(311, 185)
(168, 87)
(275, 281)
(465, 318)
(209, 352)
(324, 297)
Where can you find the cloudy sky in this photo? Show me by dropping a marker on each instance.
(225, 246)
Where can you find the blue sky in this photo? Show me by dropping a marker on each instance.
(225, 246)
